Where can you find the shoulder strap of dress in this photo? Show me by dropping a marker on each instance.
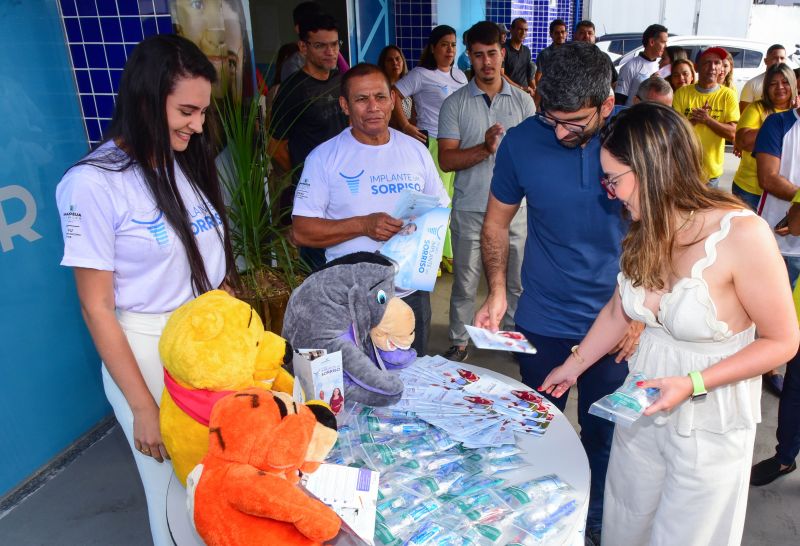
(713, 239)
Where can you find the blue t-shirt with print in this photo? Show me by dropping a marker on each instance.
(771, 134)
(574, 230)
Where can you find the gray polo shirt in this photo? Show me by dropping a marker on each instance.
(465, 116)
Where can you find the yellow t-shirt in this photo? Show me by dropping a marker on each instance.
(746, 176)
(723, 107)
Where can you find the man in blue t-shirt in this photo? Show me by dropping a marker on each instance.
(573, 244)
(777, 152)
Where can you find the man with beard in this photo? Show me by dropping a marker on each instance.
(573, 244)
(306, 110)
(472, 122)
(585, 32)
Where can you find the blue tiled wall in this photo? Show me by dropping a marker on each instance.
(499, 11)
(100, 35)
(413, 21)
(538, 13)
(543, 14)
(524, 8)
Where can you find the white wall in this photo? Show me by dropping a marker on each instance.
(610, 16)
(724, 17)
(718, 17)
(775, 24)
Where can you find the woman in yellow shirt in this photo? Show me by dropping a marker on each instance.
(780, 92)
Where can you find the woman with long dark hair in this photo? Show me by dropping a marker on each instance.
(393, 63)
(145, 231)
(679, 474)
(429, 83)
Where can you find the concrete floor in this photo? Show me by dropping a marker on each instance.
(98, 500)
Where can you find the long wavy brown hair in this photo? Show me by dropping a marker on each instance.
(664, 153)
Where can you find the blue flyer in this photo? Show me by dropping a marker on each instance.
(417, 248)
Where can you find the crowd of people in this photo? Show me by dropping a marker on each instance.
(588, 199)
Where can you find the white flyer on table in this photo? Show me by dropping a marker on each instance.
(500, 341)
(350, 492)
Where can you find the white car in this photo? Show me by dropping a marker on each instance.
(748, 55)
(618, 44)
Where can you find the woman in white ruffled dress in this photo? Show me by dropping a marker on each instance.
(703, 273)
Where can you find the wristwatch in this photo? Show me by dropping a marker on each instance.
(699, 386)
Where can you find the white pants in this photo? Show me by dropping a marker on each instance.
(143, 332)
(667, 489)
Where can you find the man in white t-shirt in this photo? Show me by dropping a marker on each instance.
(352, 182)
(753, 90)
(641, 67)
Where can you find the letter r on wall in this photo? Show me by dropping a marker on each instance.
(22, 227)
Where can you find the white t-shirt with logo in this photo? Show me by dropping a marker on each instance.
(429, 89)
(633, 74)
(110, 222)
(343, 178)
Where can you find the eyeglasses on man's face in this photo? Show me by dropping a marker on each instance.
(572, 127)
(320, 46)
(610, 182)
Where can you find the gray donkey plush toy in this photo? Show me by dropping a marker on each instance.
(335, 309)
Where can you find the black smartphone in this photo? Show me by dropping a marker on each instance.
(425, 132)
(783, 223)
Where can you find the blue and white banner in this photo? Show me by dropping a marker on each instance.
(49, 368)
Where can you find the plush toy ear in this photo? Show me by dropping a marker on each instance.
(323, 437)
(207, 325)
(360, 310)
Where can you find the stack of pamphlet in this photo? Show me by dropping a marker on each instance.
(474, 409)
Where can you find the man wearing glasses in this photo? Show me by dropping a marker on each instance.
(571, 260)
(306, 112)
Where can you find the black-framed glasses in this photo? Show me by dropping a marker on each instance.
(319, 46)
(609, 183)
(574, 128)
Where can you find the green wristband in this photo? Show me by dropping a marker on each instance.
(698, 385)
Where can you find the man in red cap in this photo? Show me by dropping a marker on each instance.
(712, 110)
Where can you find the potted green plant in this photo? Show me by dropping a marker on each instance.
(269, 265)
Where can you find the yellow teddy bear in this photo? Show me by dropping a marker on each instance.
(210, 347)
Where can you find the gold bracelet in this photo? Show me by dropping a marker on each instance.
(577, 355)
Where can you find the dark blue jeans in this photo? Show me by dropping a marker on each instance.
(603, 378)
(750, 199)
(788, 432)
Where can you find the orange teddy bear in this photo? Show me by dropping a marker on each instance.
(245, 490)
